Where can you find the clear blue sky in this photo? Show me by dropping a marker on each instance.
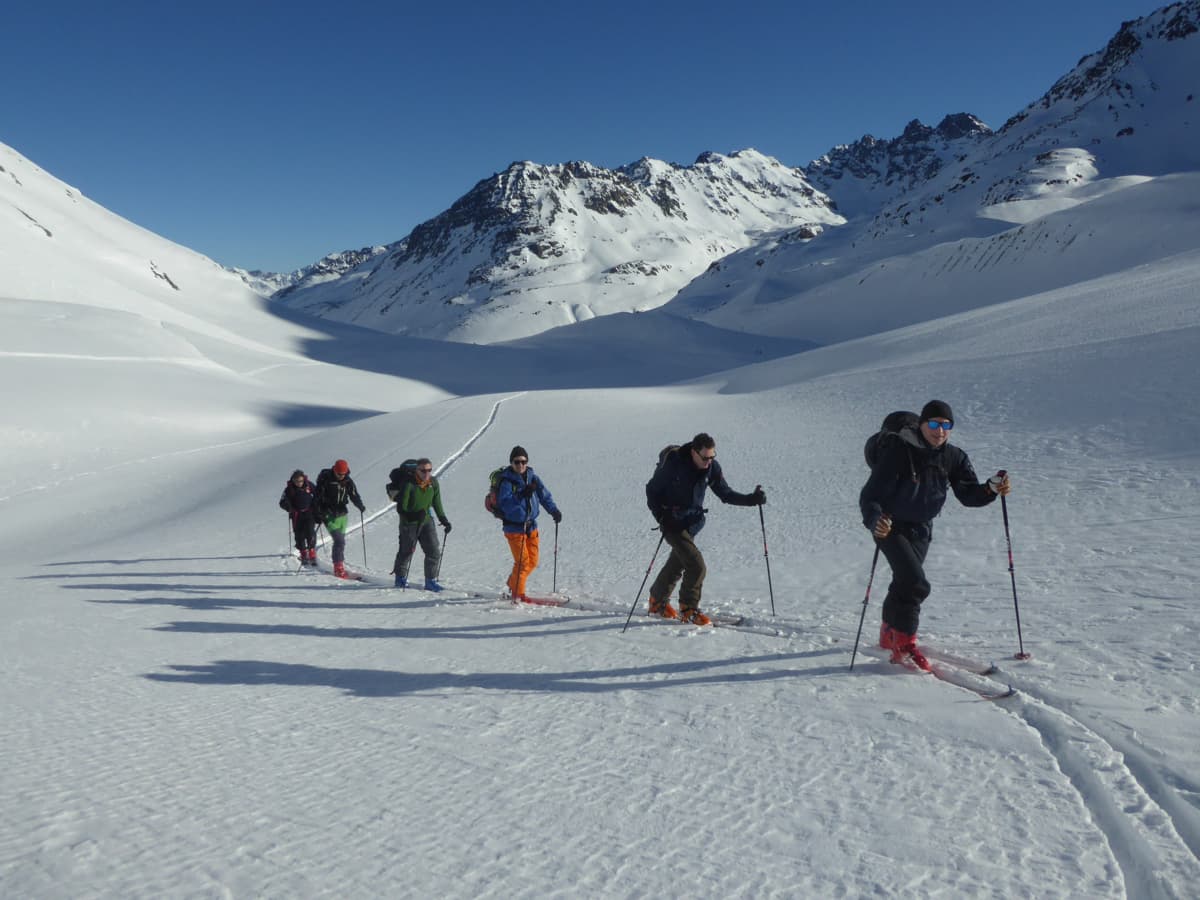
(267, 134)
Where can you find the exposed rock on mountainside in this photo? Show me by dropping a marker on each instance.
(862, 175)
(538, 246)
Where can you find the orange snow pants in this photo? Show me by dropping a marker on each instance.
(524, 549)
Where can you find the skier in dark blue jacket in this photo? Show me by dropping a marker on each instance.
(675, 495)
(298, 501)
(910, 481)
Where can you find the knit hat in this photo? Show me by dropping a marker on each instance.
(341, 467)
(936, 409)
(517, 451)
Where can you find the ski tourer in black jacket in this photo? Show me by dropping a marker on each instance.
(911, 481)
(675, 493)
(334, 497)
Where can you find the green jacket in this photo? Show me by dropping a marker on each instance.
(414, 502)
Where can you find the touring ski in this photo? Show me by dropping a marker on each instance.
(542, 601)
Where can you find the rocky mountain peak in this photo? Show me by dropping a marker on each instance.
(544, 245)
(861, 176)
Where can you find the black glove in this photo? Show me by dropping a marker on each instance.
(556, 516)
(361, 509)
(528, 491)
(446, 525)
(759, 496)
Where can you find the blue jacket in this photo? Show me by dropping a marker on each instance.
(675, 493)
(520, 513)
(911, 481)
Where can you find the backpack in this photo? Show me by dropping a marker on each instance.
(662, 454)
(889, 431)
(489, 499)
(405, 473)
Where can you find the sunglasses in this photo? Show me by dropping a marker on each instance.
(707, 458)
(944, 426)
(520, 462)
(425, 471)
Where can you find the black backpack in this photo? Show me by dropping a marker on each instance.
(662, 454)
(405, 473)
(893, 424)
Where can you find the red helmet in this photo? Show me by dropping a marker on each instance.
(341, 467)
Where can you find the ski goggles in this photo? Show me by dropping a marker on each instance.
(944, 426)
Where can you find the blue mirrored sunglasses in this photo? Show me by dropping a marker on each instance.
(934, 426)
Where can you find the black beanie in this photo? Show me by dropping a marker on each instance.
(936, 409)
(517, 451)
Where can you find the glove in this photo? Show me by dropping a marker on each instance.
(759, 496)
(361, 509)
(446, 525)
(556, 516)
(998, 484)
(883, 527)
(528, 491)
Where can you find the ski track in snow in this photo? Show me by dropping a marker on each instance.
(412, 438)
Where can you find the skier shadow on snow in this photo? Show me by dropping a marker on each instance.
(148, 559)
(507, 629)
(384, 683)
(206, 602)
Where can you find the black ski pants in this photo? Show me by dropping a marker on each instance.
(304, 529)
(425, 534)
(905, 549)
(686, 560)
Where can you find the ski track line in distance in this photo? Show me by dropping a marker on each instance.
(465, 448)
(450, 460)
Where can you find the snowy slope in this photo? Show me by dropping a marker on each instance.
(184, 716)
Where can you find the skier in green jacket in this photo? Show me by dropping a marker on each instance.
(415, 498)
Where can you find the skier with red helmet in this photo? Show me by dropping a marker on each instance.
(335, 491)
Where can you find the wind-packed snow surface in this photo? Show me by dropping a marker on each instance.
(183, 715)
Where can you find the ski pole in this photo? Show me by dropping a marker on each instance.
(862, 618)
(442, 558)
(362, 527)
(554, 582)
(763, 523)
(1021, 654)
(650, 567)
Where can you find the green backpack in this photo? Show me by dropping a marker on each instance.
(490, 499)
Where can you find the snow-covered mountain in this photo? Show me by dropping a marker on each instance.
(1122, 130)
(329, 267)
(539, 246)
(864, 175)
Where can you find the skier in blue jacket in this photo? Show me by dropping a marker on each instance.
(520, 494)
